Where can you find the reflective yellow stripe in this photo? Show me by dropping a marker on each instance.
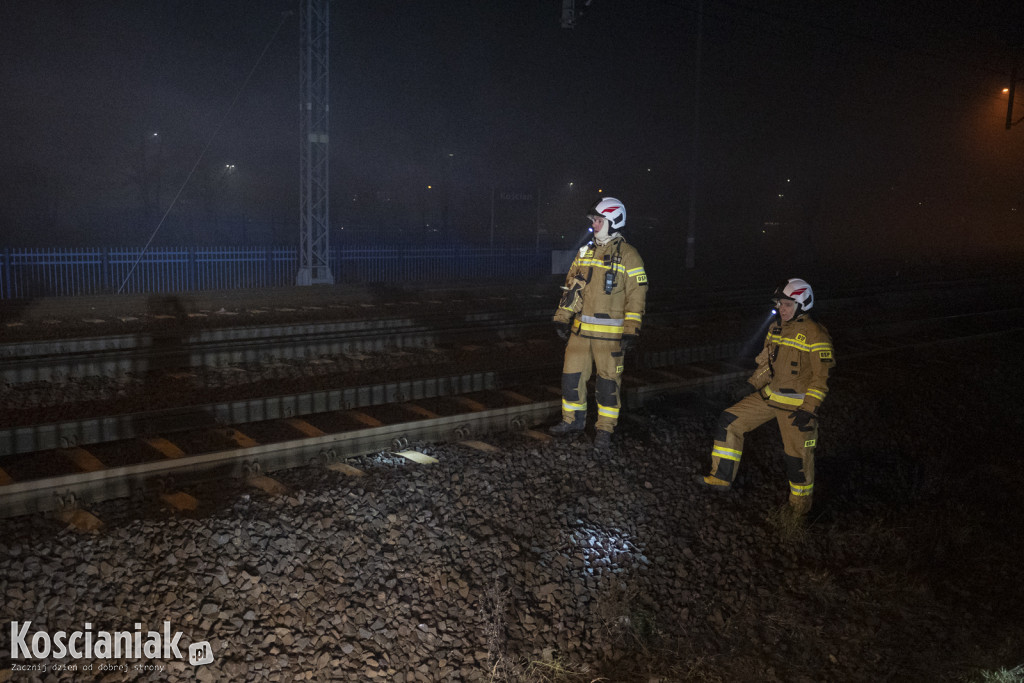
(786, 341)
(801, 489)
(814, 393)
(607, 329)
(569, 406)
(598, 263)
(594, 320)
(726, 453)
(607, 411)
(633, 272)
(789, 400)
(799, 344)
(633, 316)
(793, 343)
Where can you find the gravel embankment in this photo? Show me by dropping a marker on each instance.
(545, 562)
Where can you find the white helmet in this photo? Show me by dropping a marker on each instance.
(796, 290)
(612, 209)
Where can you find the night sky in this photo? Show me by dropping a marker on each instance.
(883, 129)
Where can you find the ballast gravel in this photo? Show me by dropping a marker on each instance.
(545, 561)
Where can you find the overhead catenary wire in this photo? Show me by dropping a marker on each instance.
(209, 142)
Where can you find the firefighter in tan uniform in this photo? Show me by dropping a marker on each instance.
(790, 382)
(599, 318)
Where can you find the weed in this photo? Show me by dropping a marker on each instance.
(494, 608)
(791, 528)
(622, 619)
(1014, 675)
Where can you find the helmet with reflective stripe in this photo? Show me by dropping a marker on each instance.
(612, 209)
(796, 290)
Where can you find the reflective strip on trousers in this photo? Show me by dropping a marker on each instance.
(726, 453)
(801, 489)
(569, 406)
(787, 399)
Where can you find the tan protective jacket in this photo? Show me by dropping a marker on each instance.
(794, 366)
(601, 315)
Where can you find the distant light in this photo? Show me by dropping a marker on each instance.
(781, 195)
(156, 134)
(430, 187)
(1006, 91)
(571, 184)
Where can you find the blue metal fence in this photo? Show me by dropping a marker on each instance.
(28, 273)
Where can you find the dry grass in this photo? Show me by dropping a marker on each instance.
(790, 528)
(622, 618)
(1014, 675)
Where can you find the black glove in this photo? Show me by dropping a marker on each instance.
(801, 419)
(629, 341)
(562, 330)
(742, 391)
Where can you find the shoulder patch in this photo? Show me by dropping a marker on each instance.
(801, 338)
(641, 279)
(825, 355)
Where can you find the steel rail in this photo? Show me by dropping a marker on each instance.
(43, 495)
(107, 356)
(91, 430)
(52, 493)
(87, 431)
(672, 372)
(61, 359)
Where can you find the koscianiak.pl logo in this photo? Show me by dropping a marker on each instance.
(34, 650)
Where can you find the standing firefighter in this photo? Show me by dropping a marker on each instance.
(599, 319)
(789, 384)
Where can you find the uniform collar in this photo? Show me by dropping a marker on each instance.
(796, 319)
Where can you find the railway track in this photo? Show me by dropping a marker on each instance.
(170, 341)
(58, 465)
(160, 454)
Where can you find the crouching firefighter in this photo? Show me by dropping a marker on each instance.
(789, 385)
(599, 318)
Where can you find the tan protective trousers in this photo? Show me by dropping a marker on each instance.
(581, 354)
(752, 412)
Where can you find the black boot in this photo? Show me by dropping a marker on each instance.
(578, 424)
(602, 441)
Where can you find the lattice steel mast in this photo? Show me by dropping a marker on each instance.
(314, 119)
